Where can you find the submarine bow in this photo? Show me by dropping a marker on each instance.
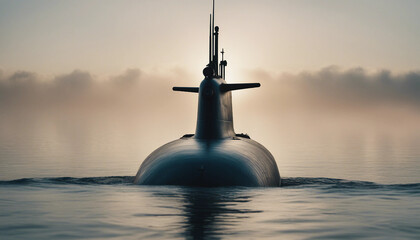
(214, 155)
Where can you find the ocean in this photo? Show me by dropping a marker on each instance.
(59, 182)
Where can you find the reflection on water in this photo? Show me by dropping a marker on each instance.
(113, 208)
(85, 148)
(211, 212)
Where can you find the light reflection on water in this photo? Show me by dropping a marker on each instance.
(78, 148)
(312, 205)
(43, 210)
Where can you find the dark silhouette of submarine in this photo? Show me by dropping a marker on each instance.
(214, 156)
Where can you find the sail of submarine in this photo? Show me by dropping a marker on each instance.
(214, 156)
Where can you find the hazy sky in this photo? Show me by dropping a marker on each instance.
(356, 61)
(107, 37)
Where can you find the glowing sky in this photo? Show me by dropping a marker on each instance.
(107, 36)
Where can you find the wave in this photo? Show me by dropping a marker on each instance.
(287, 182)
(110, 180)
(335, 183)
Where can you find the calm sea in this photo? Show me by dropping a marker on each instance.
(58, 181)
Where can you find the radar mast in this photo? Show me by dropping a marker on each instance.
(214, 49)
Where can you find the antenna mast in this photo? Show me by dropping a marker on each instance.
(214, 48)
(212, 29)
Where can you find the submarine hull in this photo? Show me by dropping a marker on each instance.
(189, 161)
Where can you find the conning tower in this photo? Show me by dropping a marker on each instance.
(214, 117)
(214, 156)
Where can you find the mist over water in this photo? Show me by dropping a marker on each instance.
(338, 123)
(345, 141)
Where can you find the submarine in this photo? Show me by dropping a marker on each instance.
(214, 156)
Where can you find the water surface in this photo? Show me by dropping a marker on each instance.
(72, 179)
(112, 208)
